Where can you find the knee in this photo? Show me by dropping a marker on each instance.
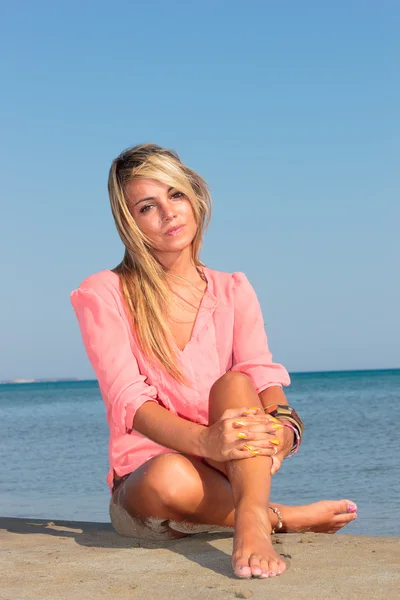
(173, 482)
(234, 379)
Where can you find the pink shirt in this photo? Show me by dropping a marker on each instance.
(228, 335)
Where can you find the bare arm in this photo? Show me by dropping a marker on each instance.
(218, 442)
(163, 427)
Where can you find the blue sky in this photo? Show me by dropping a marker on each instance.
(290, 110)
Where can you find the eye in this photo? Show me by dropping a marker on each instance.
(177, 195)
(144, 209)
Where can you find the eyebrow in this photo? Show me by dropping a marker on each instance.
(149, 198)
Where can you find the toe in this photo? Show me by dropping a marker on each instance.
(281, 567)
(255, 564)
(241, 568)
(273, 568)
(346, 506)
(342, 520)
(242, 571)
(264, 568)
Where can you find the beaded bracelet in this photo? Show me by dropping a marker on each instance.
(279, 524)
(296, 445)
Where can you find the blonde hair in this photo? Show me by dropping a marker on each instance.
(144, 284)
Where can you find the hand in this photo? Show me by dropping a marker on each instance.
(286, 439)
(239, 427)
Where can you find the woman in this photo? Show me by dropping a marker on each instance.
(198, 419)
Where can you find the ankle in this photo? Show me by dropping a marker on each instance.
(253, 510)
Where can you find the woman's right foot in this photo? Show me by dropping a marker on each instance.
(325, 516)
(253, 553)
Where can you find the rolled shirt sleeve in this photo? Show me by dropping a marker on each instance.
(251, 354)
(106, 338)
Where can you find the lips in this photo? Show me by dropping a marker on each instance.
(175, 230)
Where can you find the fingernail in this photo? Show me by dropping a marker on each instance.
(239, 424)
(248, 447)
(242, 435)
(255, 452)
(275, 442)
(277, 426)
(257, 408)
(351, 508)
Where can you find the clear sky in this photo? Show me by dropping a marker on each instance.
(290, 110)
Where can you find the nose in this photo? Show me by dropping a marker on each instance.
(168, 212)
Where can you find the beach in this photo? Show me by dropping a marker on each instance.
(57, 560)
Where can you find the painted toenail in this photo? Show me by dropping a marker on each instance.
(351, 507)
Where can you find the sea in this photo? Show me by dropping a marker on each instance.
(54, 456)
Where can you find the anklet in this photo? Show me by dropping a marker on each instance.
(279, 523)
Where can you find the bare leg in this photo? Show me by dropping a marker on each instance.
(250, 479)
(180, 488)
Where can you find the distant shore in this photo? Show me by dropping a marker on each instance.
(65, 560)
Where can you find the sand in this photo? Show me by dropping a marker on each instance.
(76, 560)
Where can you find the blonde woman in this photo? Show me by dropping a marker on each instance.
(197, 415)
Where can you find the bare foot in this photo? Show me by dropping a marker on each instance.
(253, 554)
(325, 516)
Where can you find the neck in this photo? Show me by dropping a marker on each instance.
(180, 264)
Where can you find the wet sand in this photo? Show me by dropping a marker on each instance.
(75, 560)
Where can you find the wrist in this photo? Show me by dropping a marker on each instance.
(200, 442)
(289, 437)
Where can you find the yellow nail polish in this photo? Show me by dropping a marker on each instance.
(250, 448)
(275, 442)
(255, 408)
(255, 453)
(277, 426)
(240, 423)
(242, 435)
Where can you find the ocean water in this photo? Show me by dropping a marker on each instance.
(53, 448)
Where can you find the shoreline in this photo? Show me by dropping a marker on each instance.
(60, 560)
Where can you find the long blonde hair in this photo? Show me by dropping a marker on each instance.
(143, 278)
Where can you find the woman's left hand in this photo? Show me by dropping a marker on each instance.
(286, 439)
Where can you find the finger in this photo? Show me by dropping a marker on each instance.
(238, 454)
(260, 446)
(245, 434)
(276, 464)
(231, 413)
(260, 439)
(271, 428)
(256, 424)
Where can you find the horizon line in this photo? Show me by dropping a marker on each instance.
(21, 380)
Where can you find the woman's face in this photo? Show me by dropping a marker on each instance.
(162, 213)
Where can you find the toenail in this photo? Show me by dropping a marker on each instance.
(272, 574)
(352, 507)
